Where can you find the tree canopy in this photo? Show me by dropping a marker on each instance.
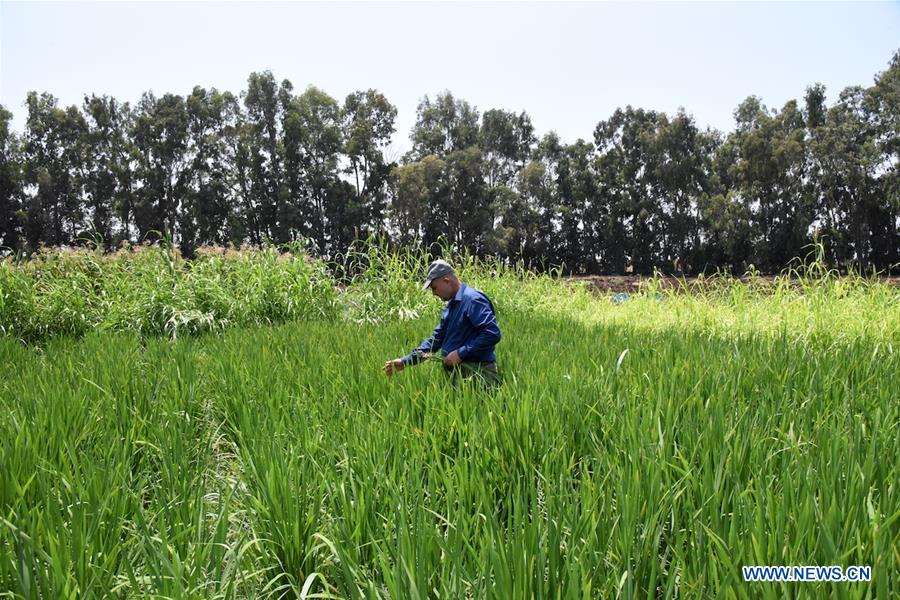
(648, 191)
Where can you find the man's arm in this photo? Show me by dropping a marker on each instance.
(481, 315)
(429, 345)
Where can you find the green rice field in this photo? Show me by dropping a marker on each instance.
(223, 429)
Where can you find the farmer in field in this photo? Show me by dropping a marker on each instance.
(466, 334)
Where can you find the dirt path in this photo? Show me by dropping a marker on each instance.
(633, 283)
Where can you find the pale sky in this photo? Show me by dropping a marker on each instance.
(569, 65)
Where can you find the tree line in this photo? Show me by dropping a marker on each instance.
(648, 191)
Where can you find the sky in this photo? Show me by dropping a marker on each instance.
(568, 65)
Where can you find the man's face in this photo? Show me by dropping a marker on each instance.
(442, 288)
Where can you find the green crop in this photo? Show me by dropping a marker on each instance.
(644, 449)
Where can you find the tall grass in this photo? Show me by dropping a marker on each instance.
(151, 289)
(643, 449)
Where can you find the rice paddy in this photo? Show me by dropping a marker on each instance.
(223, 429)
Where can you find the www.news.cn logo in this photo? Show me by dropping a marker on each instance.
(808, 573)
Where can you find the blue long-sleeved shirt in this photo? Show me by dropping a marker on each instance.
(468, 325)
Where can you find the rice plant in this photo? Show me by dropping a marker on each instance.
(649, 448)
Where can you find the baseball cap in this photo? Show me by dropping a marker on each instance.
(436, 270)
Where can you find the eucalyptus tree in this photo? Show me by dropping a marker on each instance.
(52, 152)
(209, 200)
(447, 130)
(725, 219)
(239, 136)
(265, 116)
(827, 181)
(607, 214)
(294, 213)
(108, 179)
(796, 210)
(507, 142)
(443, 126)
(626, 166)
(10, 185)
(577, 191)
(368, 123)
(769, 176)
(313, 131)
(851, 196)
(883, 101)
(505, 238)
(532, 217)
(681, 167)
(162, 172)
(418, 189)
(467, 208)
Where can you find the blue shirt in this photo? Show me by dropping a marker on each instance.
(468, 325)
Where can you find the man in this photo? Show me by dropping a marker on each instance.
(466, 334)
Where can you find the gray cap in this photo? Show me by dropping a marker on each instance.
(436, 270)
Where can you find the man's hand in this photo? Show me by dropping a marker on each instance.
(452, 359)
(393, 366)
